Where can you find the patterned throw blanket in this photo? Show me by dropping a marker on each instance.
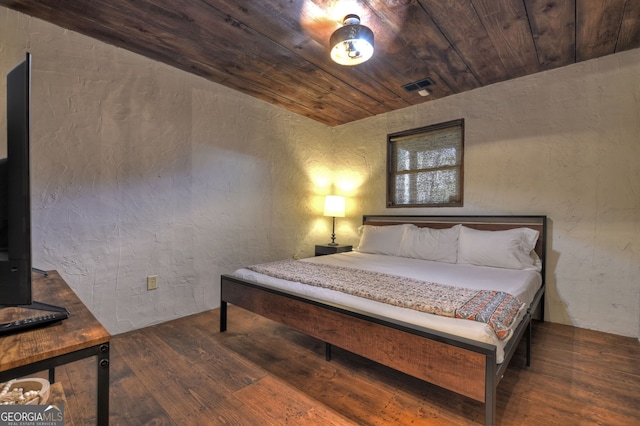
(498, 309)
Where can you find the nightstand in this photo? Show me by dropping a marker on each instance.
(323, 249)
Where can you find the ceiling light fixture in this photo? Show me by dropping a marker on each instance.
(353, 43)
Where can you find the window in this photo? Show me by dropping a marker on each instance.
(426, 166)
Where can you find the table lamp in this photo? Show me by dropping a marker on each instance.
(334, 207)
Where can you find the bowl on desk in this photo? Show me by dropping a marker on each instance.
(34, 391)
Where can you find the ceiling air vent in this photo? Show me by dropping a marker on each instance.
(420, 85)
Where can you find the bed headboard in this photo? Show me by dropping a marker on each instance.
(487, 223)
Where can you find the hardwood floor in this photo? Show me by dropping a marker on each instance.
(185, 372)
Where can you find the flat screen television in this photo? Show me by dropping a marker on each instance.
(15, 202)
(15, 193)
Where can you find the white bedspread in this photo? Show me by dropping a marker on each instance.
(520, 283)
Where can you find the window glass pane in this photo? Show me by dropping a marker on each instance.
(435, 187)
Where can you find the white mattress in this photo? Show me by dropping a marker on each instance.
(520, 283)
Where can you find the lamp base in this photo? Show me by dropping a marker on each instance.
(333, 233)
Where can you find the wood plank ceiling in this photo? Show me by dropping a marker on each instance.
(277, 50)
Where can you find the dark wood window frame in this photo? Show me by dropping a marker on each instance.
(446, 140)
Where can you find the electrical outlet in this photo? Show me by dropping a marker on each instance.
(152, 282)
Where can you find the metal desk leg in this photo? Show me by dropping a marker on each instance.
(223, 316)
(103, 385)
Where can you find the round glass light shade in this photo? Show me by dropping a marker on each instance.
(351, 44)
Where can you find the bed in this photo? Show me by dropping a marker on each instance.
(472, 252)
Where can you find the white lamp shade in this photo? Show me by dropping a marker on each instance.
(334, 206)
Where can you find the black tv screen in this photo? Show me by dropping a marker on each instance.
(15, 201)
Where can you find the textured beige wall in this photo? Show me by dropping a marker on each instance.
(141, 169)
(563, 143)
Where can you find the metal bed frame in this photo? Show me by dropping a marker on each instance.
(458, 364)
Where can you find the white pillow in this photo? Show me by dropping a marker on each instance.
(385, 239)
(502, 249)
(440, 245)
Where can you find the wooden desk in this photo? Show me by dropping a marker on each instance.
(80, 336)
